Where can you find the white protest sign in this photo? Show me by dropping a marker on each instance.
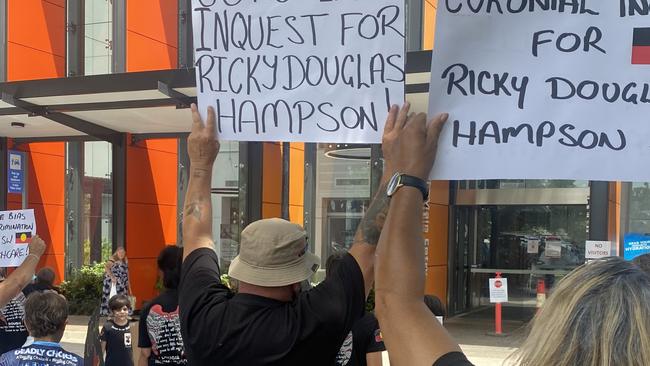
(299, 70)
(533, 246)
(542, 89)
(16, 231)
(553, 249)
(598, 249)
(498, 290)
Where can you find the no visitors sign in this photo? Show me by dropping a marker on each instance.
(543, 89)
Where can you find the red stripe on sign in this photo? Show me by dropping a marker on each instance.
(641, 55)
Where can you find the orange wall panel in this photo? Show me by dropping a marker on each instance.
(429, 24)
(144, 274)
(436, 283)
(151, 210)
(35, 39)
(154, 19)
(149, 229)
(56, 262)
(439, 192)
(45, 182)
(152, 166)
(164, 145)
(46, 178)
(272, 175)
(37, 24)
(438, 235)
(153, 175)
(297, 182)
(270, 210)
(145, 54)
(50, 225)
(151, 35)
(24, 63)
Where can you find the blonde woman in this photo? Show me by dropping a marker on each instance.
(599, 315)
(116, 275)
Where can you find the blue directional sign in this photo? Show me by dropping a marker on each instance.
(635, 245)
(16, 172)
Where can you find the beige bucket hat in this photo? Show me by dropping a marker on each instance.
(273, 253)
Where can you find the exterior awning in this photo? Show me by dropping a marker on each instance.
(102, 107)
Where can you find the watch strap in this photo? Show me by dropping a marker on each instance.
(421, 184)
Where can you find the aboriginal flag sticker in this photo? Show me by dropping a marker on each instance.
(23, 238)
(641, 46)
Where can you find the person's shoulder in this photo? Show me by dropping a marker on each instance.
(108, 325)
(453, 359)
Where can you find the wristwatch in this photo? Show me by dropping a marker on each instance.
(399, 180)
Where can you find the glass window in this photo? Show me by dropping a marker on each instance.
(342, 195)
(226, 225)
(639, 211)
(98, 31)
(521, 184)
(97, 185)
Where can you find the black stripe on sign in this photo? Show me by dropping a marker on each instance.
(641, 37)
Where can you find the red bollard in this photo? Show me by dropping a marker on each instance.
(541, 294)
(498, 330)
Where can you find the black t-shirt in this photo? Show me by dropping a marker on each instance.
(221, 329)
(453, 359)
(119, 348)
(160, 330)
(364, 338)
(13, 332)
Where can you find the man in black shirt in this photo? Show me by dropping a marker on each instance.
(412, 336)
(269, 321)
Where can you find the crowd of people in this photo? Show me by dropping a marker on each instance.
(598, 315)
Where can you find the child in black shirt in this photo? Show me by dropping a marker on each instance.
(116, 333)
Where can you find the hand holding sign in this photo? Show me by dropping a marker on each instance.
(202, 146)
(409, 144)
(37, 246)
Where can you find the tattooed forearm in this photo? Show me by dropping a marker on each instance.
(199, 173)
(373, 221)
(193, 209)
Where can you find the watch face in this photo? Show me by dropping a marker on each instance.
(393, 184)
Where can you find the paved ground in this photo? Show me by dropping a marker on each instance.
(481, 348)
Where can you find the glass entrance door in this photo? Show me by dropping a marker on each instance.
(528, 244)
(460, 279)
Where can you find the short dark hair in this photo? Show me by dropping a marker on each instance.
(435, 305)
(45, 313)
(334, 261)
(46, 276)
(117, 302)
(169, 262)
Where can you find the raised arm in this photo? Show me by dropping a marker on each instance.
(367, 235)
(411, 333)
(21, 277)
(202, 147)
